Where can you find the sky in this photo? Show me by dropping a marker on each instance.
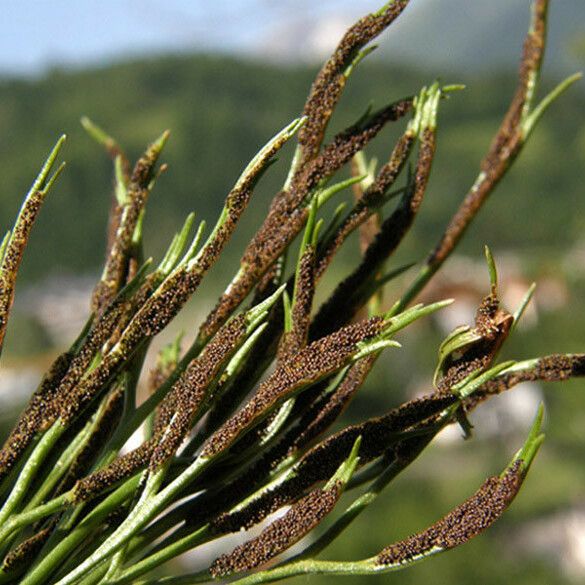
(39, 34)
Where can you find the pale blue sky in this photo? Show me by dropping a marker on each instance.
(37, 34)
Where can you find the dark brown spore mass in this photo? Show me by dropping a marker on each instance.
(552, 368)
(329, 83)
(492, 325)
(287, 215)
(34, 418)
(321, 461)
(160, 308)
(296, 339)
(368, 202)
(13, 256)
(106, 426)
(26, 551)
(280, 535)
(320, 358)
(505, 145)
(326, 411)
(189, 392)
(116, 270)
(345, 301)
(121, 468)
(463, 523)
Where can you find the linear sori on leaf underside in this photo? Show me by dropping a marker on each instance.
(236, 426)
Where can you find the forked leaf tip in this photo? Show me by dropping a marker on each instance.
(532, 444)
(491, 266)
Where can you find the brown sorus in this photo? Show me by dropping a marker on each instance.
(552, 368)
(321, 461)
(38, 414)
(461, 524)
(492, 325)
(505, 145)
(280, 535)
(327, 410)
(367, 204)
(319, 359)
(293, 341)
(26, 551)
(105, 427)
(117, 262)
(121, 468)
(189, 392)
(13, 255)
(345, 301)
(287, 215)
(330, 81)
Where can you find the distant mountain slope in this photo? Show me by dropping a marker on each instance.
(473, 32)
(455, 34)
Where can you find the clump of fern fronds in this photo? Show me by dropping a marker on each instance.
(235, 426)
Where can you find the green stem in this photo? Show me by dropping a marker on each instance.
(140, 414)
(57, 554)
(30, 470)
(67, 458)
(147, 509)
(154, 560)
(303, 567)
(19, 521)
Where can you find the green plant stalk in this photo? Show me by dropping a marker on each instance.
(147, 495)
(27, 475)
(130, 380)
(181, 545)
(54, 558)
(139, 517)
(87, 547)
(148, 508)
(55, 474)
(18, 521)
(181, 537)
(67, 457)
